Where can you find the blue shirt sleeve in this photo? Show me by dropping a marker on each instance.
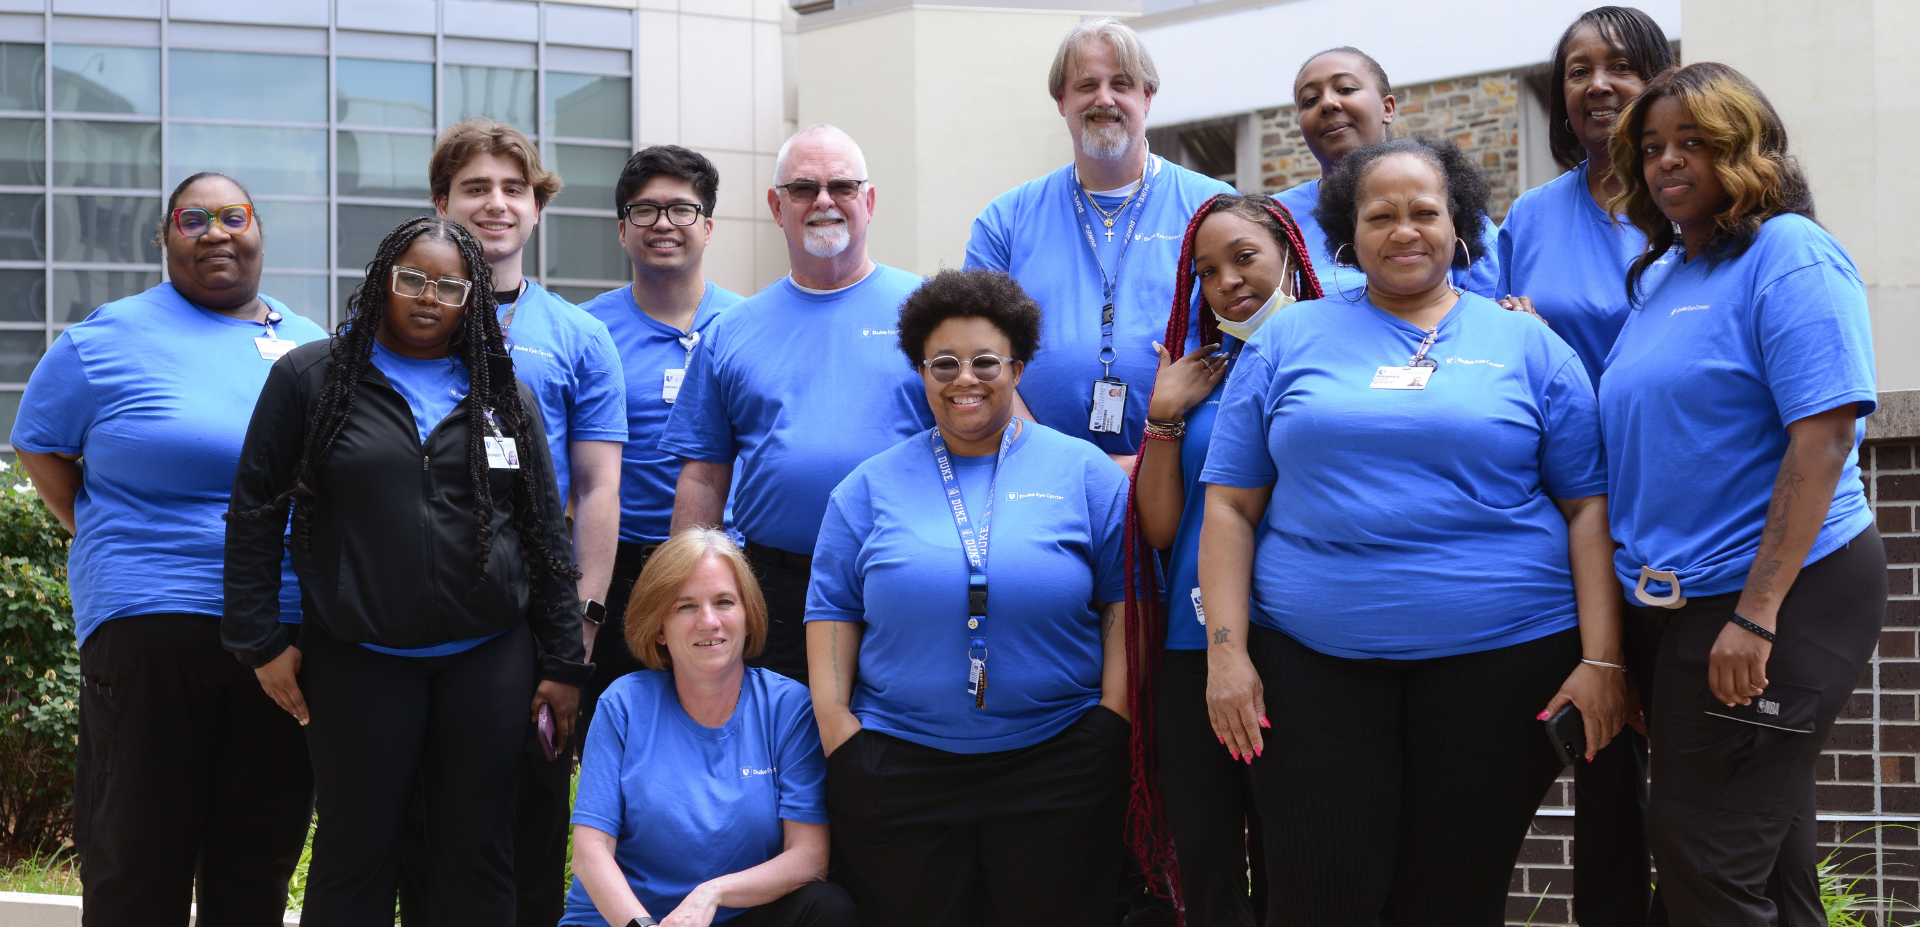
(698, 428)
(1107, 508)
(836, 593)
(1816, 346)
(1237, 455)
(59, 407)
(1503, 253)
(803, 767)
(597, 801)
(1573, 460)
(1484, 276)
(987, 247)
(599, 410)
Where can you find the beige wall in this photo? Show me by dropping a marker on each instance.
(1841, 73)
(950, 106)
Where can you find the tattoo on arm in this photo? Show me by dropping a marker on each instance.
(834, 648)
(1786, 492)
(1222, 635)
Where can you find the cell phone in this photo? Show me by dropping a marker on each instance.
(1567, 731)
(544, 722)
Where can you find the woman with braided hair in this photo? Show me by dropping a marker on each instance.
(429, 540)
(1245, 256)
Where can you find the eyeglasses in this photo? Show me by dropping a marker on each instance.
(641, 215)
(193, 222)
(946, 367)
(806, 191)
(447, 291)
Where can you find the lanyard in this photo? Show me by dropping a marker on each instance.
(1419, 358)
(688, 341)
(506, 319)
(1109, 284)
(974, 544)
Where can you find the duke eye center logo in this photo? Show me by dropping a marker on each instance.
(1032, 495)
(748, 772)
(879, 332)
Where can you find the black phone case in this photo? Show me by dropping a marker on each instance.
(1567, 731)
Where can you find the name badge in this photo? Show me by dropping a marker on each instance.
(501, 453)
(1402, 377)
(1198, 612)
(1109, 407)
(274, 348)
(670, 388)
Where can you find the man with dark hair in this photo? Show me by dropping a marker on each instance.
(665, 199)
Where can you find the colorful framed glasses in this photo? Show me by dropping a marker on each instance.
(193, 221)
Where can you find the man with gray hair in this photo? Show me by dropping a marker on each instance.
(1095, 243)
(799, 383)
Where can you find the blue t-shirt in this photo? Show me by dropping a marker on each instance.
(1033, 233)
(155, 393)
(1571, 257)
(1186, 624)
(1707, 373)
(650, 350)
(800, 387)
(889, 558)
(1483, 277)
(1409, 524)
(567, 358)
(688, 803)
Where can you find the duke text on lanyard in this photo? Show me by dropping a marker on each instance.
(973, 543)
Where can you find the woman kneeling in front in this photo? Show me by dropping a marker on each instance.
(701, 787)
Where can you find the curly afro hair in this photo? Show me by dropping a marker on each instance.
(1467, 192)
(970, 294)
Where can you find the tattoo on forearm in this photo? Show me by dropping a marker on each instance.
(1786, 493)
(1222, 635)
(834, 649)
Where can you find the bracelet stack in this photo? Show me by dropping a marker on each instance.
(1165, 431)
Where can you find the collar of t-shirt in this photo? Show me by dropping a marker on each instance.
(505, 297)
(871, 266)
(1117, 192)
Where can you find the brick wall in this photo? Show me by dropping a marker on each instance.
(1869, 798)
(1481, 113)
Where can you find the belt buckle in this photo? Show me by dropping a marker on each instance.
(1671, 600)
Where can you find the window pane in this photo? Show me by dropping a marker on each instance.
(379, 164)
(295, 233)
(23, 228)
(363, 227)
(589, 106)
(19, 352)
(23, 152)
(76, 293)
(266, 161)
(586, 248)
(240, 85)
(102, 79)
(105, 229)
(578, 294)
(384, 93)
(305, 295)
(106, 154)
(26, 295)
(590, 174)
(9, 410)
(505, 94)
(22, 75)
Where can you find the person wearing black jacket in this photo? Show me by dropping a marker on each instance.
(428, 536)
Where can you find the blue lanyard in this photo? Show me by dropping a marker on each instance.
(1109, 284)
(974, 544)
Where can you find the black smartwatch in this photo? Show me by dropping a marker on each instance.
(593, 611)
(640, 921)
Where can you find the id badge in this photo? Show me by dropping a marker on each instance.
(1402, 377)
(1198, 612)
(501, 453)
(670, 387)
(1109, 407)
(273, 348)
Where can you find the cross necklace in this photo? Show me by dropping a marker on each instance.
(1107, 218)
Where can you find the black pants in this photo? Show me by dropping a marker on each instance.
(1402, 789)
(1732, 807)
(1208, 798)
(783, 580)
(611, 658)
(190, 777)
(1612, 868)
(815, 904)
(378, 721)
(927, 838)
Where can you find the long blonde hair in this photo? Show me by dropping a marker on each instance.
(659, 585)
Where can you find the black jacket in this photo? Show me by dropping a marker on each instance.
(394, 539)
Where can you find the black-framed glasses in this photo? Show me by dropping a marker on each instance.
(193, 222)
(447, 291)
(946, 367)
(806, 191)
(641, 215)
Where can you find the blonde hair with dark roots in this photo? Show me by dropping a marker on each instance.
(658, 589)
(464, 141)
(1750, 158)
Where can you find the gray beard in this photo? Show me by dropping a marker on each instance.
(1105, 144)
(824, 243)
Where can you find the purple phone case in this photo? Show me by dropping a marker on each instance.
(545, 723)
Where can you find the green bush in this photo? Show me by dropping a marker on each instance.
(39, 675)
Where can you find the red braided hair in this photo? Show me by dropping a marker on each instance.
(1147, 834)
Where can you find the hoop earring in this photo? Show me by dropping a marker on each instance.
(1356, 263)
(1464, 250)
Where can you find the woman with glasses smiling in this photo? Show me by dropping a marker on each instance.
(153, 391)
(964, 643)
(427, 531)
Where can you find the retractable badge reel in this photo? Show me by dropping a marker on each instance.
(1108, 407)
(273, 347)
(502, 453)
(1415, 375)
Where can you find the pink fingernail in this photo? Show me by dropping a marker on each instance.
(1263, 722)
(1540, 717)
(1235, 754)
(1223, 740)
(1260, 750)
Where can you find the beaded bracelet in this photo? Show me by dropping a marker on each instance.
(1164, 431)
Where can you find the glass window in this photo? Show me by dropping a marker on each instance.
(22, 75)
(578, 294)
(303, 294)
(586, 248)
(23, 152)
(590, 173)
(106, 229)
(9, 410)
(505, 94)
(589, 106)
(106, 154)
(23, 227)
(363, 227)
(266, 161)
(19, 352)
(384, 93)
(382, 164)
(106, 79)
(295, 233)
(242, 85)
(26, 296)
(76, 293)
